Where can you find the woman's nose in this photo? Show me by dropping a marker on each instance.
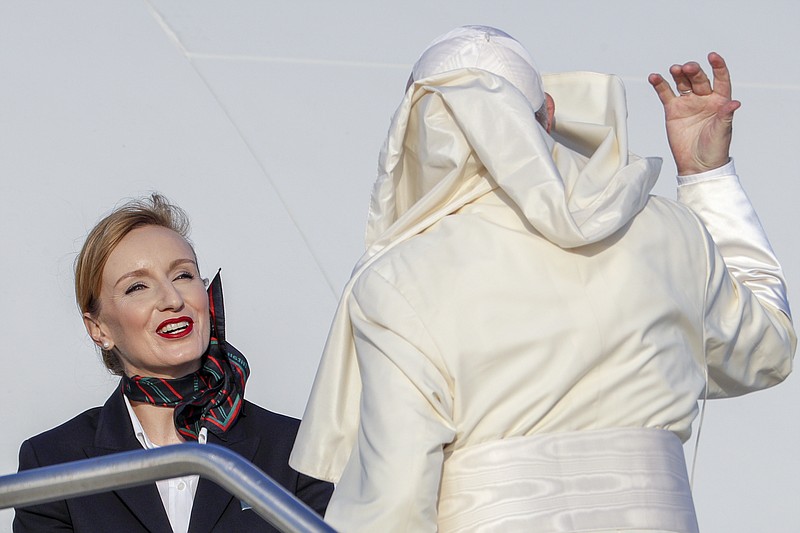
(169, 298)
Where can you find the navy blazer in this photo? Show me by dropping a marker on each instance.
(263, 437)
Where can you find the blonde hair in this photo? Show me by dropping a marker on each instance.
(154, 210)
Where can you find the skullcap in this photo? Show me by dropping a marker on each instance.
(485, 48)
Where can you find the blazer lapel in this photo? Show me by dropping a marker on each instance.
(115, 434)
(211, 500)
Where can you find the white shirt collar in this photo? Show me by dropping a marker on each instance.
(138, 430)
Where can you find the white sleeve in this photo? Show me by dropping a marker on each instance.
(391, 481)
(749, 340)
(719, 200)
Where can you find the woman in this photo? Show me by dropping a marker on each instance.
(145, 306)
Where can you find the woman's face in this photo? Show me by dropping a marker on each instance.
(153, 305)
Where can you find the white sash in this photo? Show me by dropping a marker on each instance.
(604, 480)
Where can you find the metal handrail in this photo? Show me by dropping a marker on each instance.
(128, 469)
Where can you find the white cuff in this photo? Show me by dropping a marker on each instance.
(727, 169)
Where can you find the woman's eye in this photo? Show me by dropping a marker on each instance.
(185, 275)
(135, 287)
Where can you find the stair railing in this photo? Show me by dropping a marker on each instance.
(224, 467)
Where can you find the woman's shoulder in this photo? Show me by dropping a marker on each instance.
(63, 442)
(257, 414)
(86, 422)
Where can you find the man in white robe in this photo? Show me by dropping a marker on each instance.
(523, 345)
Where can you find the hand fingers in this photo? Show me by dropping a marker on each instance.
(689, 77)
(663, 90)
(682, 82)
(725, 113)
(701, 85)
(722, 78)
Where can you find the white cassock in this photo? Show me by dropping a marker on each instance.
(523, 345)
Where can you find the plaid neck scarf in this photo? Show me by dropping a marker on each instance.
(212, 397)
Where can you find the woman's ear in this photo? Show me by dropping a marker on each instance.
(95, 331)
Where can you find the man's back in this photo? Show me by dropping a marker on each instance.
(533, 338)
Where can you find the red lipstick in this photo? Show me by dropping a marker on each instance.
(175, 328)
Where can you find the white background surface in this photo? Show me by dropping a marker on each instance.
(263, 119)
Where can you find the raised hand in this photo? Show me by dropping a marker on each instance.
(699, 118)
